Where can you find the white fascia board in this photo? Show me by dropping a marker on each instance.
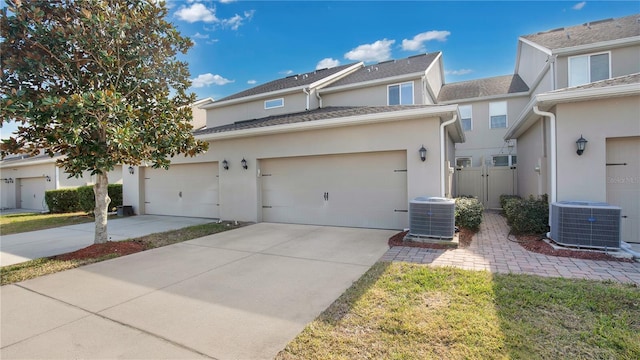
(266, 95)
(435, 111)
(337, 76)
(604, 45)
(536, 46)
(546, 101)
(387, 80)
(486, 98)
(28, 162)
(203, 101)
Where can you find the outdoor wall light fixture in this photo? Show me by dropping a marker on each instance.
(581, 143)
(244, 164)
(131, 171)
(225, 164)
(423, 153)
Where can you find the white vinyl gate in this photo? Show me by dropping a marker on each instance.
(487, 183)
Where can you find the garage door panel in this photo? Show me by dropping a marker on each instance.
(359, 190)
(623, 183)
(32, 193)
(183, 190)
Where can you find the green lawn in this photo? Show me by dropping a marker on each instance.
(24, 222)
(410, 311)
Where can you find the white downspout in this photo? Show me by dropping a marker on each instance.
(319, 99)
(306, 91)
(443, 175)
(552, 125)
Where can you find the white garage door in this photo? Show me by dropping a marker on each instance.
(32, 193)
(623, 183)
(358, 190)
(183, 190)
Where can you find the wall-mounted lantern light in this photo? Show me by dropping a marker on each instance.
(244, 164)
(131, 171)
(225, 164)
(423, 153)
(581, 143)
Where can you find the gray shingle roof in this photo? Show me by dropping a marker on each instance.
(620, 80)
(312, 115)
(390, 68)
(292, 81)
(500, 85)
(588, 33)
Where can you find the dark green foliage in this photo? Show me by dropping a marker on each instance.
(527, 216)
(62, 200)
(504, 198)
(87, 202)
(468, 212)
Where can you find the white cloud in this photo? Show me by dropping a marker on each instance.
(286, 72)
(327, 63)
(201, 36)
(417, 43)
(196, 12)
(458, 72)
(226, 1)
(378, 51)
(251, 82)
(212, 41)
(209, 79)
(579, 5)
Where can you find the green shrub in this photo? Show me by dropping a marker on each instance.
(61, 200)
(504, 198)
(528, 216)
(468, 212)
(87, 199)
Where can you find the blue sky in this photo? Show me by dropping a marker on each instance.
(241, 44)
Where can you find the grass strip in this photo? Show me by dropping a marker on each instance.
(413, 311)
(24, 222)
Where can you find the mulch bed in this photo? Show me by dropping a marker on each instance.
(537, 245)
(98, 250)
(464, 240)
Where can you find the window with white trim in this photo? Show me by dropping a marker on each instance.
(273, 103)
(400, 94)
(463, 162)
(498, 115)
(465, 117)
(504, 160)
(586, 69)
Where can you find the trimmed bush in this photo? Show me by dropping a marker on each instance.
(62, 200)
(504, 198)
(528, 216)
(87, 199)
(468, 212)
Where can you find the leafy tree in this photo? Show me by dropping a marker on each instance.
(97, 81)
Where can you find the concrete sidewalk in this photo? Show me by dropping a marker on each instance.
(239, 294)
(22, 247)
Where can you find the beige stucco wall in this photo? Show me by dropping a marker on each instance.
(199, 118)
(482, 141)
(530, 63)
(369, 96)
(11, 192)
(434, 78)
(293, 103)
(533, 160)
(584, 177)
(624, 61)
(239, 189)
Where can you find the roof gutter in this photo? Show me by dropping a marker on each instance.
(552, 129)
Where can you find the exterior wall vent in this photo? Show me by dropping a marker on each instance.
(586, 224)
(432, 217)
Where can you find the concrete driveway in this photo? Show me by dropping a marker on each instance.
(241, 294)
(22, 247)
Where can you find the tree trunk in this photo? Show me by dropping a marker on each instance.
(102, 208)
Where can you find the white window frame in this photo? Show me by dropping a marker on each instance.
(470, 158)
(462, 116)
(399, 85)
(267, 106)
(588, 69)
(506, 114)
(511, 162)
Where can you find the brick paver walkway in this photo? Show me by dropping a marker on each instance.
(491, 250)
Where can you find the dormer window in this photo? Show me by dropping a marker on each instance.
(586, 69)
(273, 103)
(400, 94)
